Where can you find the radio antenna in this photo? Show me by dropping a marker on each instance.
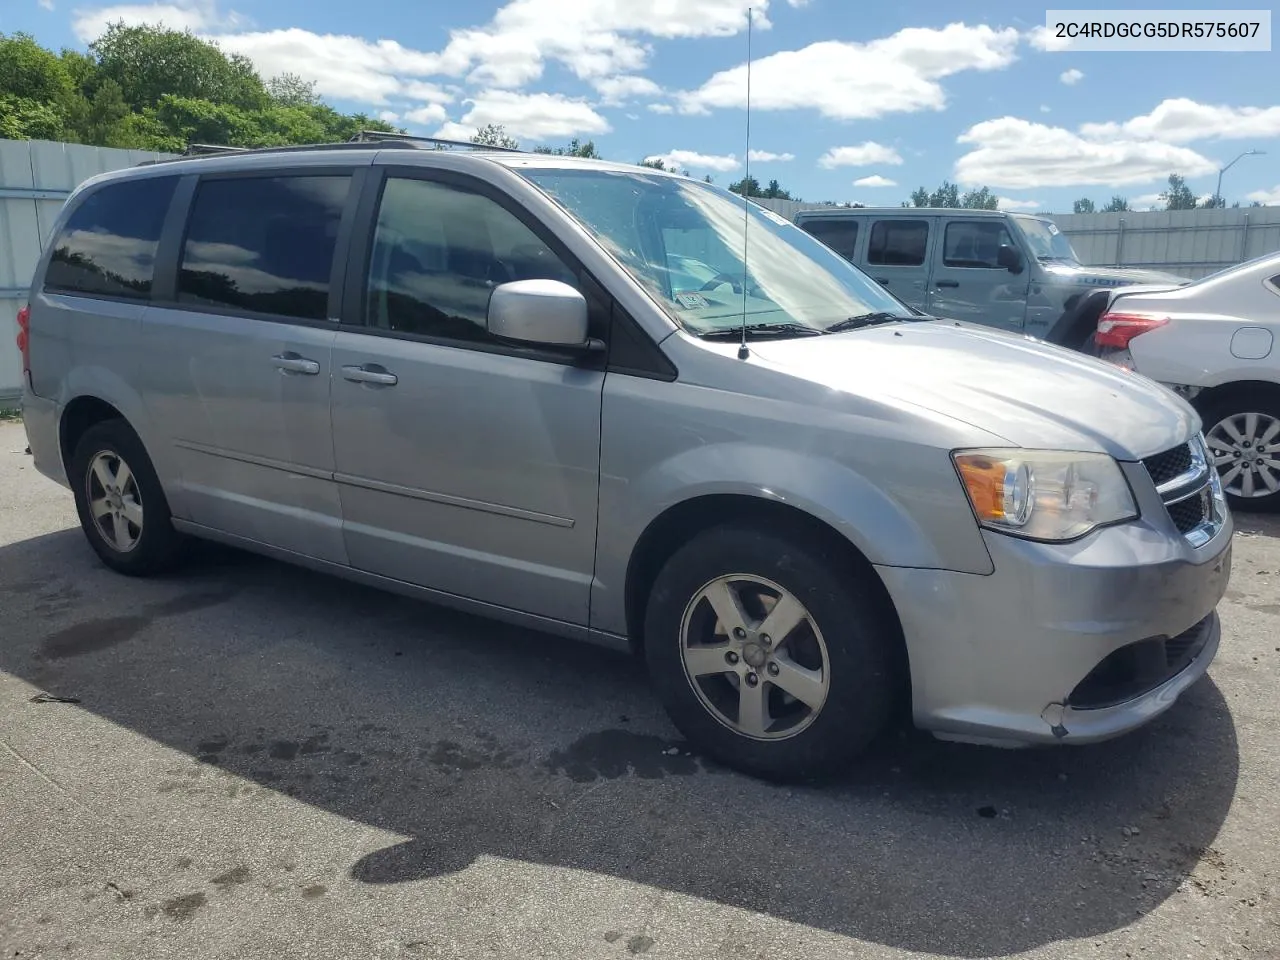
(743, 352)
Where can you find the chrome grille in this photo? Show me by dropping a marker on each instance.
(1188, 485)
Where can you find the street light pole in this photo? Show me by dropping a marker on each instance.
(1217, 194)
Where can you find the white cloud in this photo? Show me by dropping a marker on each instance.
(1071, 77)
(597, 40)
(430, 113)
(388, 116)
(1147, 201)
(1021, 155)
(1183, 121)
(527, 116)
(1269, 197)
(863, 155)
(342, 67)
(1042, 38)
(1009, 203)
(662, 108)
(616, 91)
(851, 81)
(46, 4)
(194, 15)
(682, 159)
(875, 180)
(764, 156)
(1044, 108)
(593, 38)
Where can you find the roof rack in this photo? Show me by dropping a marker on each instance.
(383, 136)
(361, 141)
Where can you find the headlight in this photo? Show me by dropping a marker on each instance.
(1044, 494)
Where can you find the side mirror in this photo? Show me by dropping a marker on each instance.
(546, 312)
(1009, 258)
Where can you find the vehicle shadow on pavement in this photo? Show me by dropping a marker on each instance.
(478, 740)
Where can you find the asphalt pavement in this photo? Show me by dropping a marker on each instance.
(247, 760)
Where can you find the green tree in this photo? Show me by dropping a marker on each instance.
(151, 63)
(495, 135)
(290, 90)
(654, 163)
(1117, 204)
(982, 199)
(750, 187)
(1178, 196)
(1083, 205)
(575, 149)
(157, 89)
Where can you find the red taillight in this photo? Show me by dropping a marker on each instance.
(1115, 330)
(24, 338)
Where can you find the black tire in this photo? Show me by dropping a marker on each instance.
(862, 640)
(1238, 403)
(157, 544)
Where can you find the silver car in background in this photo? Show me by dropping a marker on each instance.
(491, 380)
(1214, 342)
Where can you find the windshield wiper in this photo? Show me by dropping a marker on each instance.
(868, 320)
(762, 330)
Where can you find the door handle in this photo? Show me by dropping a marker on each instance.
(882, 280)
(292, 363)
(364, 374)
(948, 283)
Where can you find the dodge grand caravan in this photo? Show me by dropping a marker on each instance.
(1011, 271)
(555, 391)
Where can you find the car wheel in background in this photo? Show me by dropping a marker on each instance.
(1242, 428)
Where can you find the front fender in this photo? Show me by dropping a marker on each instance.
(884, 523)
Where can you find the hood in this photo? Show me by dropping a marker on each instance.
(1087, 276)
(1029, 392)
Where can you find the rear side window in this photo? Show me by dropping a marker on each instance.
(898, 243)
(841, 235)
(108, 246)
(976, 244)
(263, 244)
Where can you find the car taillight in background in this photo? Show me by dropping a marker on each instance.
(24, 338)
(1115, 330)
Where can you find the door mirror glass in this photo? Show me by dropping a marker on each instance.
(545, 312)
(1009, 258)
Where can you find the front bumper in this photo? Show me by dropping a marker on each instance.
(1028, 654)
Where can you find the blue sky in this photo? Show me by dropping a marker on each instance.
(846, 96)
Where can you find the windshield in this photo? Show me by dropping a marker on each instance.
(683, 241)
(1046, 240)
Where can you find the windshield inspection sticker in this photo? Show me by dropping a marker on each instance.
(1053, 229)
(691, 301)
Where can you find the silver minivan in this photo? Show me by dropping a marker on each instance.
(1011, 271)
(622, 405)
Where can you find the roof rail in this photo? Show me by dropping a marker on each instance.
(361, 141)
(383, 136)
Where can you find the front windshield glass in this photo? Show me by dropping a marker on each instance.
(683, 241)
(1046, 240)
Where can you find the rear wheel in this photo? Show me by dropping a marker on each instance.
(122, 507)
(1243, 433)
(772, 655)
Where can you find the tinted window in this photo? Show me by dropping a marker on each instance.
(263, 245)
(841, 235)
(437, 255)
(108, 246)
(974, 243)
(898, 243)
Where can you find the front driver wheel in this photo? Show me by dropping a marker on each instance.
(1243, 433)
(770, 652)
